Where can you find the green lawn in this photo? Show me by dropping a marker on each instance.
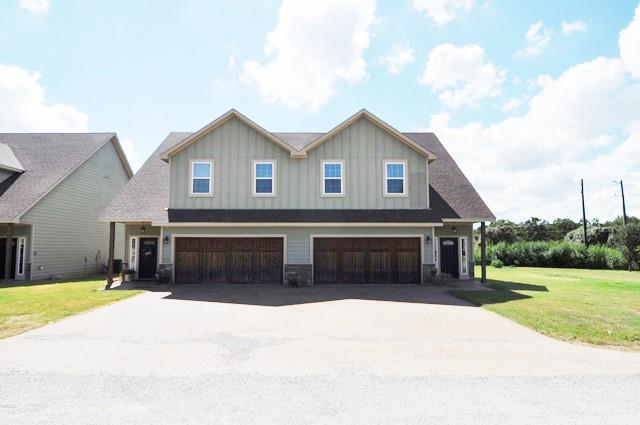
(30, 306)
(593, 306)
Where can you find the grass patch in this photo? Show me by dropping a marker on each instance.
(594, 306)
(25, 307)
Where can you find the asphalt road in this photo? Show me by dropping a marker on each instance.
(330, 355)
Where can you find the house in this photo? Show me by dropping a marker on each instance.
(53, 188)
(362, 202)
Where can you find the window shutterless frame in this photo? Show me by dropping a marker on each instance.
(201, 177)
(332, 176)
(395, 178)
(264, 178)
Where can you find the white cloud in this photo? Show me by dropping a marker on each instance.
(582, 124)
(24, 107)
(462, 75)
(629, 43)
(514, 103)
(401, 54)
(443, 11)
(536, 38)
(38, 7)
(314, 46)
(570, 28)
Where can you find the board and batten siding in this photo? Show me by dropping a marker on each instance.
(363, 147)
(65, 222)
(298, 238)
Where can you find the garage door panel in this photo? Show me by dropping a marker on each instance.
(380, 267)
(326, 267)
(353, 266)
(234, 260)
(408, 267)
(215, 266)
(371, 260)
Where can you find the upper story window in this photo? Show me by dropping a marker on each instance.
(332, 178)
(201, 178)
(395, 178)
(264, 178)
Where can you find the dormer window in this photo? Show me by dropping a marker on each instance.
(264, 178)
(332, 178)
(395, 178)
(201, 178)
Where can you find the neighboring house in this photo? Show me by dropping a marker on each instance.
(53, 188)
(363, 202)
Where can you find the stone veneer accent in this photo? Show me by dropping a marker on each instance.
(165, 272)
(428, 274)
(298, 275)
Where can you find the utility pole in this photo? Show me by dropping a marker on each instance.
(624, 208)
(584, 214)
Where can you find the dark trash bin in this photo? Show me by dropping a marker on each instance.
(117, 266)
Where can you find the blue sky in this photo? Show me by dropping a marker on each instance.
(469, 72)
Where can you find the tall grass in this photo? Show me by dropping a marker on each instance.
(554, 254)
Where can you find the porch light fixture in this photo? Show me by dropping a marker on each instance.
(165, 240)
(143, 230)
(427, 239)
(454, 229)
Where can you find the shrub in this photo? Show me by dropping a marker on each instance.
(497, 263)
(553, 254)
(596, 235)
(627, 240)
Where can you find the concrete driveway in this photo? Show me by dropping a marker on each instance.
(333, 354)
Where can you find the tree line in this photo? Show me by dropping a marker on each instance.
(564, 234)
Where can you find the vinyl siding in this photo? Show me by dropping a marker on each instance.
(66, 230)
(298, 238)
(362, 146)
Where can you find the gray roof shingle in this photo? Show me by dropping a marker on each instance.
(146, 196)
(46, 159)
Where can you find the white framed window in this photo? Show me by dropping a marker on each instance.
(21, 252)
(201, 177)
(133, 253)
(332, 178)
(463, 256)
(264, 178)
(395, 178)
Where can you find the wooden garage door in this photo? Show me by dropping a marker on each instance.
(366, 260)
(232, 260)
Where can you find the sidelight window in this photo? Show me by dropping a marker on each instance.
(463, 255)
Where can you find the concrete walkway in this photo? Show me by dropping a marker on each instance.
(332, 354)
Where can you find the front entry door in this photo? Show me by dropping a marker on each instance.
(449, 256)
(3, 252)
(148, 258)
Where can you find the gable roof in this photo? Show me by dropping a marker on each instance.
(448, 180)
(297, 144)
(47, 159)
(145, 198)
(8, 160)
(232, 113)
(363, 113)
